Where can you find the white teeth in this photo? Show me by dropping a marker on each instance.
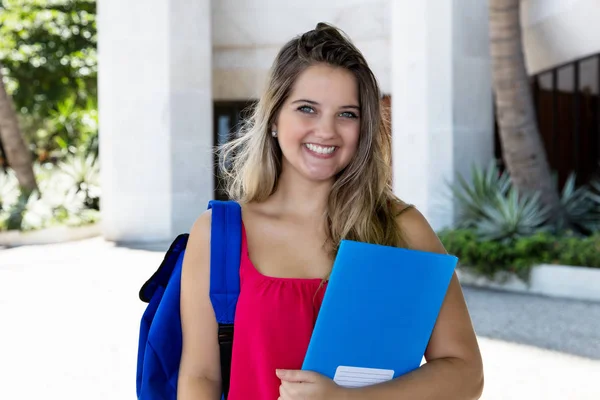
(320, 149)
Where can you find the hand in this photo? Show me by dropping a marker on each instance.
(306, 385)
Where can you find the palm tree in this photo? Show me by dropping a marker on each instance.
(18, 156)
(522, 147)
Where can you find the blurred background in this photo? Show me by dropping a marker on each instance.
(109, 112)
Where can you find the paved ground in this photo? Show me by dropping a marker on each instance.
(563, 325)
(69, 318)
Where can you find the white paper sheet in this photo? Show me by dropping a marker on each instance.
(357, 377)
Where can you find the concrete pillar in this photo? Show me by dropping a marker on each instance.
(442, 110)
(155, 109)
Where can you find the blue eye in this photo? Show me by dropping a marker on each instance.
(306, 109)
(348, 114)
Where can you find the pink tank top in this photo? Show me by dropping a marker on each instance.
(274, 321)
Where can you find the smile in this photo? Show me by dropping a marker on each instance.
(320, 149)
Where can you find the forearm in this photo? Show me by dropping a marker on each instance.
(445, 378)
(193, 388)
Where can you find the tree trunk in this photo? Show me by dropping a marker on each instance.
(522, 147)
(17, 153)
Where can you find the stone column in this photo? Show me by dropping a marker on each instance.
(442, 109)
(155, 109)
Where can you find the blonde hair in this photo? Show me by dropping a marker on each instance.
(361, 204)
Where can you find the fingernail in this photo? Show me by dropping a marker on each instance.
(280, 372)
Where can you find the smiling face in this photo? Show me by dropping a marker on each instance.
(318, 126)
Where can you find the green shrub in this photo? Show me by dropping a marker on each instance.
(512, 216)
(48, 52)
(487, 257)
(490, 205)
(69, 194)
(69, 130)
(580, 207)
(483, 190)
(579, 251)
(48, 57)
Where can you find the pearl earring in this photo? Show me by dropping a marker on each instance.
(274, 133)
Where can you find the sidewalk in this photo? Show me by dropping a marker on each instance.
(70, 317)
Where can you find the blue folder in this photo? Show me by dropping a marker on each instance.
(378, 312)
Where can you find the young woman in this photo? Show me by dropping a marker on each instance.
(311, 168)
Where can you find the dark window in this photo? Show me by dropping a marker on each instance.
(228, 116)
(567, 104)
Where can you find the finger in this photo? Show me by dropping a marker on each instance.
(296, 375)
(284, 392)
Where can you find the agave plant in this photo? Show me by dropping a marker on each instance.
(580, 207)
(9, 189)
(485, 188)
(28, 212)
(595, 192)
(36, 213)
(512, 216)
(82, 175)
(494, 209)
(594, 195)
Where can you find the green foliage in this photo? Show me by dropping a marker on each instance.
(82, 174)
(9, 189)
(69, 195)
(494, 209)
(499, 229)
(580, 206)
(67, 131)
(512, 216)
(579, 251)
(48, 52)
(485, 187)
(487, 257)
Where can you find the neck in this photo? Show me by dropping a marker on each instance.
(298, 196)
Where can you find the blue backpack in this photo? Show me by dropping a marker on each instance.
(160, 339)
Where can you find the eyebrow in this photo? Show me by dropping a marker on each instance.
(316, 104)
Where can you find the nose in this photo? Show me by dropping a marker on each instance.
(326, 128)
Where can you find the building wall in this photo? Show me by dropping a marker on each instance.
(442, 117)
(558, 31)
(155, 109)
(247, 34)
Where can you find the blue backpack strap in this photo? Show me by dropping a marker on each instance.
(225, 249)
(160, 340)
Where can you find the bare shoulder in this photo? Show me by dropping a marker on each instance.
(417, 231)
(201, 227)
(196, 261)
(197, 256)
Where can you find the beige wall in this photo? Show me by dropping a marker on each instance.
(442, 120)
(247, 34)
(558, 31)
(155, 109)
